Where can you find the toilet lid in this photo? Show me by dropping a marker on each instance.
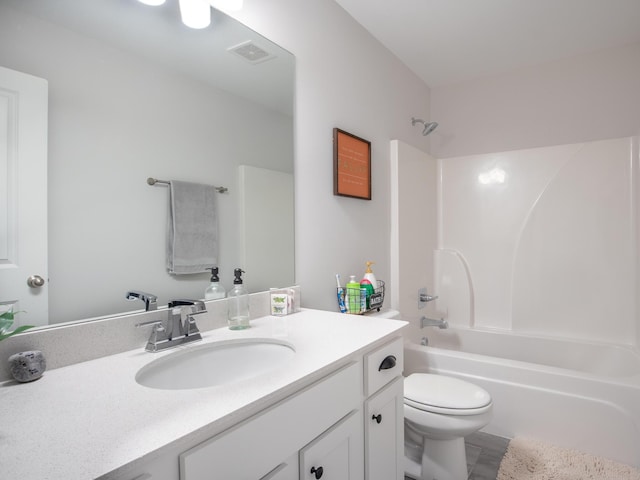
(440, 391)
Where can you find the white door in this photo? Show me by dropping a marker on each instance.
(23, 196)
(266, 227)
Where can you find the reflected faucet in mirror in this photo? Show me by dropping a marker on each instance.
(150, 300)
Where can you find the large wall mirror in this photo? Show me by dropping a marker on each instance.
(132, 94)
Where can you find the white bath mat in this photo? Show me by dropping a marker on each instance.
(533, 460)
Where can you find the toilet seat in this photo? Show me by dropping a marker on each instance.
(445, 395)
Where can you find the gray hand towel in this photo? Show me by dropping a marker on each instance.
(192, 228)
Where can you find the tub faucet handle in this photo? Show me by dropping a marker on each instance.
(424, 297)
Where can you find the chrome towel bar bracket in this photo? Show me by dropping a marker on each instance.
(153, 181)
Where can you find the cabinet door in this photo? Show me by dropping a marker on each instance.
(337, 454)
(258, 445)
(384, 433)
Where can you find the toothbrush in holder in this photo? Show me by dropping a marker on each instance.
(341, 304)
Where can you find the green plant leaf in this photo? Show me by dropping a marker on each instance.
(17, 330)
(5, 324)
(6, 320)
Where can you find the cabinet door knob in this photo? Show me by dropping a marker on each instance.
(377, 418)
(387, 363)
(317, 471)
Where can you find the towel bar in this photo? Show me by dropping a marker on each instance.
(153, 181)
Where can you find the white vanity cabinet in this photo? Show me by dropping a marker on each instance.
(345, 426)
(383, 412)
(267, 444)
(316, 410)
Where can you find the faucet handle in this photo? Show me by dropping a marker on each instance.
(190, 327)
(158, 328)
(156, 323)
(424, 297)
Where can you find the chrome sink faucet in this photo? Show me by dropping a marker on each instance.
(184, 308)
(176, 331)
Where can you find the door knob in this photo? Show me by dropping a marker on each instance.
(35, 281)
(317, 472)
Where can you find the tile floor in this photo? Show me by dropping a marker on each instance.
(484, 454)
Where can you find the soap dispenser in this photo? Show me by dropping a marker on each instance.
(368, 275)
(214, 291)
(238, 299)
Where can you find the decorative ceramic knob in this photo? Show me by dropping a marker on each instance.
(27, 366)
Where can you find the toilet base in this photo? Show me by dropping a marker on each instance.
(412, 469)
(438, 460)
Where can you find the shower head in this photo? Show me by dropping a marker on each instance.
(428, 126)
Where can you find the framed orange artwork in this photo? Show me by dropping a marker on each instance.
(351, 165)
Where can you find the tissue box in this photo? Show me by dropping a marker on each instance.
(283, 301)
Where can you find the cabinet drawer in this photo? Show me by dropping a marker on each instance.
(383, 365)
(258, 445)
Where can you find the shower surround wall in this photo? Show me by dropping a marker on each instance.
(533, 254)
(541, 241)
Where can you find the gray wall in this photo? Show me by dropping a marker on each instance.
(344, 79)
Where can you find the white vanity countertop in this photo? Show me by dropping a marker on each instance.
(90, 419)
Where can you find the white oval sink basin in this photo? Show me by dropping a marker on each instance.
(217, 363)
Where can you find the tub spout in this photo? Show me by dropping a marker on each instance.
(430, 322)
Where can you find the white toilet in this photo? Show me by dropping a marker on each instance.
(439, 411)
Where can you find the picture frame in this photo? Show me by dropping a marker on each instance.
(351, 165)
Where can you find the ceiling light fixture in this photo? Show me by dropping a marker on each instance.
(227, 5)
(195, 13)
(153, 3)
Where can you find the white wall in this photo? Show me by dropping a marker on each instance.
(414, 231)
(344, 79)
(591, 97)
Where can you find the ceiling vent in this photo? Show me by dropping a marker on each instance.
(251, 52)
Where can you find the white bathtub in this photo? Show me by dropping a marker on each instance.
(578, 395)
